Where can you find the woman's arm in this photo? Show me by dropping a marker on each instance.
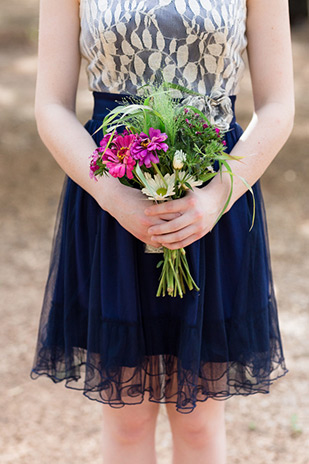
(270, 63)
(271, 70)
(58, 126)
(56, 87)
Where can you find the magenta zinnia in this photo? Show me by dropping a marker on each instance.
(105, 141)
(118, 158)
(93, 164)
(144, 149)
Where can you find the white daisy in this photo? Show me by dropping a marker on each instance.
(159, 189)
(185, 177)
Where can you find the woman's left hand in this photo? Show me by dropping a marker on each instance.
(198, 210)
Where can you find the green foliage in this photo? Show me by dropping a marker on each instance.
(199, 149)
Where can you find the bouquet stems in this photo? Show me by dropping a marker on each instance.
(175, 273)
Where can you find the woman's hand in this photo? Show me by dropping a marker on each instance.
(127, 205)
(197, 214)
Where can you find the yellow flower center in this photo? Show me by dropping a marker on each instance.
(122, 153)
(145, 143)
(161, 191)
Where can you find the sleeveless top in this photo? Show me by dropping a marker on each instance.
(195, 43)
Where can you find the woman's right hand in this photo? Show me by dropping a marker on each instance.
(127, 206)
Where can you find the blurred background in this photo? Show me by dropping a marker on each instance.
(43, 423)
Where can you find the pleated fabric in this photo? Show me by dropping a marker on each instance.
(104, 331)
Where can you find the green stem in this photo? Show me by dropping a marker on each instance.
(155, 166)
(186, 266)
(176, 278)
(162, 284)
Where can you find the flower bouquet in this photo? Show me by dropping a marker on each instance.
(165, 146)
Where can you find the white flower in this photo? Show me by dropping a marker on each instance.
(159, 189)
(185, 177)
(179, 158)
(217, 107)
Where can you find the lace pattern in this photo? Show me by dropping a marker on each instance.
(195, 43)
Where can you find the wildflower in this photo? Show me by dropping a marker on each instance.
(159, 188)
(145, 147)
(93, 165)
(118, 158)
(184, 177)
(179, 159)
(105, 141)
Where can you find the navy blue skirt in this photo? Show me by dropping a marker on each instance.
(104, 331)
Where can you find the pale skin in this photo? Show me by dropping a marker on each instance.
(129, 432)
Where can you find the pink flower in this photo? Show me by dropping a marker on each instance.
(118, 158)
(105, 141)
(205, 126)
(188, 122)
(145, 148)
(217, 130)
(93, 165)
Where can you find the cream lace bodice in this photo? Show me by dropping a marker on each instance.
(195, 43)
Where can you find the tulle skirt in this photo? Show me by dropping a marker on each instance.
(104, 331)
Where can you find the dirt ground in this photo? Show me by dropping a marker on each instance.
(43, 423)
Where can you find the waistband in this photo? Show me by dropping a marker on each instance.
(104, 102)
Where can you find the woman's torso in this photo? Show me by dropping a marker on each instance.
(195, 43)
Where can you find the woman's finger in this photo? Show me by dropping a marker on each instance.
(169, 216)
(182, 243)
(176, 237)
(171, 226)
(172, 206)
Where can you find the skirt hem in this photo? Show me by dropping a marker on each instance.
(187, 405)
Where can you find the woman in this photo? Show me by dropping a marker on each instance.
(100, 312)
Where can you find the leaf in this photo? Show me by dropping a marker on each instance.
(123, 112)
(188, 185)
(253, 199)
(143, 179)
(123, 180)
(199, 112)
(181, 89)
(228, 168)
(207, 176)
(232, 174)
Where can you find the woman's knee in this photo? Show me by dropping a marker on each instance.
(131, 423)
(206, 423)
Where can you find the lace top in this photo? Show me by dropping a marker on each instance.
(195, 43)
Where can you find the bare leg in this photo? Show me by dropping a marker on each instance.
(129, 433)
(199, 437)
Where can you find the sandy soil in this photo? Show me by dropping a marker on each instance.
(42, 423)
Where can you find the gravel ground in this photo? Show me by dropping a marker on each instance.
(42, 423)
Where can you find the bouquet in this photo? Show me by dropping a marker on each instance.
(165, 146)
